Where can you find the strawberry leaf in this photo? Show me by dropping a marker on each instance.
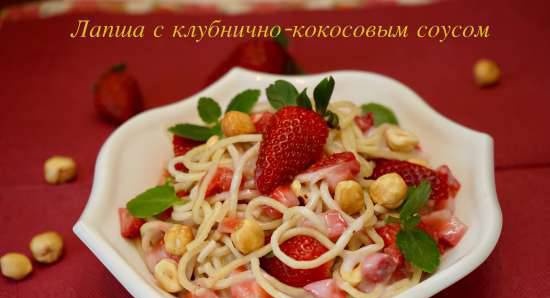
(244, 101)
(416, 199)
(322, 94)
(380, 113)
(195, 132)
(419, 249)
(303, 100)
(332, 119)
(153, 201)
(209, 110)
(281, 93)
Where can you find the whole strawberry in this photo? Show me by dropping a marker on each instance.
(292, 142)
(117, 95)
(301, 248)
(265, 55)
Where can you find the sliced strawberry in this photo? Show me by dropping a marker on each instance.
(182, 193)
(336, 224)
(166, 214)
(156, 254)
(292, 142)
(364, 122)
(445, 228)
(247, 289)
(326, 288)
(413, 174)
(284, 195)
(229, 224)
(220, 182)
(300, 248)
(452, 182)
(182, 145)
(205, 294)
(388, 233)
(261, 120)
(333, 169)
(129, 225)
(378, 267)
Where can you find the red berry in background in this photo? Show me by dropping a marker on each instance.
(292, 142)
(301, 248)
(265, 55)
(117, 95)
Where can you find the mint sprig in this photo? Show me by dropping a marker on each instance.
(281, 93)
(153, 201)
(209, 110)
(416, 245)
(244, 101)
(194, 132)
(380, 113)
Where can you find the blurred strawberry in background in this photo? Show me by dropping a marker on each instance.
(265, 55)
(117, 95)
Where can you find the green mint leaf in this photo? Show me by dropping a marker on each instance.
(244, 101)
(380, 113)
(322, 94)
(217, 129)
(281, 39)
(419, 249)
(416, 199)
(332, 119)
(194, 132)
(153, 201)
(303, 100)
(209, 110)
(281, 93)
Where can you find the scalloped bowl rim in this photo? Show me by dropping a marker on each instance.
(138, 287)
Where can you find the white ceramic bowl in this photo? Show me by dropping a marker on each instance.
(134, 156)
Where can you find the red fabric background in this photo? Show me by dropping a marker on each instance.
(45, 92)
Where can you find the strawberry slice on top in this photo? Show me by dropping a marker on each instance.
(292, 142)
(333, 169)
(301, 248)
(413, 174)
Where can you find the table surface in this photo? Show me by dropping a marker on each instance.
(46, 80)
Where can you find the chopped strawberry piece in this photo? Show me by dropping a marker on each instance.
(182, 193)
(181, 167)
(378, 267)
(326, 288)
(300, 248)
(333, 168)
(336, 224)
(292, 142)
(129, 225)
(261, 121)
(166, 214)
(182, 145)
(445, 228)
(284, 195)
(229, 224)
(156, 254)
(389, 235)
(364, 122)
(247, 289)
(220, 182)
(413, 174)
(452, 182)
(205, 294)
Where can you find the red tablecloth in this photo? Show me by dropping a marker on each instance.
(46, 80)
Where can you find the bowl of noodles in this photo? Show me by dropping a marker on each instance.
(257, 187)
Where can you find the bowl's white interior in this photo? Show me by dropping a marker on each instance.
(135, 155)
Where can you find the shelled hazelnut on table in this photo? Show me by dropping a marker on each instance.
(46, 247)
(15, 265)
(59, 169)
(486, 72)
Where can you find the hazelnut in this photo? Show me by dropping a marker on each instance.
(15, 265)
(177, 238)
(400, 140)
(59, 169)
(236, 123)
(46, 247)
(248, 237)
(388, 190)
(486, 72)
(349, 196)
(166, 274)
